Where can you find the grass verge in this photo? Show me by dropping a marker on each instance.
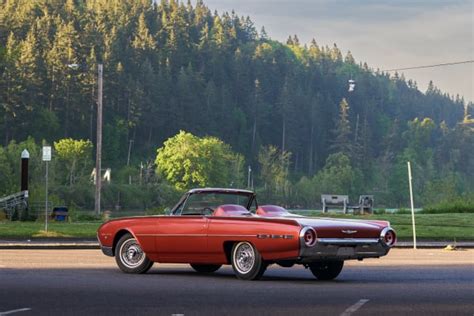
(450, 227)
(18, 229)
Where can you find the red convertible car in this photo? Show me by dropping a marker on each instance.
(212, 227)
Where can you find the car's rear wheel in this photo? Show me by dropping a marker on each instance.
(247, 261)
(326, 270)
(130, 257)
(205, 268)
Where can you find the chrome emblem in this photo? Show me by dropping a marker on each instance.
(349, 232)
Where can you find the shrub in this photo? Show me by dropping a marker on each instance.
(463, 204)
(403, 211)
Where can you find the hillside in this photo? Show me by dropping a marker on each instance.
(173, 66)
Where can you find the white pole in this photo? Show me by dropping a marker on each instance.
(412, 204)
(98, 156)
(46, 203)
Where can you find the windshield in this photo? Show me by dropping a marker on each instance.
(205, 203)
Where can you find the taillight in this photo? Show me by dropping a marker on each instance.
(308, 236)
(388, 236)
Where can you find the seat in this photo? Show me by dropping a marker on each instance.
(231, 210)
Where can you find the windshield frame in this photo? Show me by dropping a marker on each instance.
(178, 208)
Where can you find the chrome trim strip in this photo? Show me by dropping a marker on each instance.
(230, 235)
(265, 236)
(171, 235)
(192, 235)
(348, 241)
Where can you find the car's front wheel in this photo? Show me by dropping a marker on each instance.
(326, 270)
(247, 261)
(130, 257)
(205, 268)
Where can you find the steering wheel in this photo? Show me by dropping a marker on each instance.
(207, 211)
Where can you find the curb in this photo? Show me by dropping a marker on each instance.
(95, 245)
(50, 246)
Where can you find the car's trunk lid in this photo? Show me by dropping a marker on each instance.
(342, 228)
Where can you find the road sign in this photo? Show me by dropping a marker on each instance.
(46, 153)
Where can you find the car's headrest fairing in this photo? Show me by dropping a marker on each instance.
(271, 211)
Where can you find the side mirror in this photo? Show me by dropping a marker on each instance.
(167, 212)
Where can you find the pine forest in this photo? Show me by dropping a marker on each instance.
(276, 117)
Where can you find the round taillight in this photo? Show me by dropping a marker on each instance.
(308, 236)
(388, 236)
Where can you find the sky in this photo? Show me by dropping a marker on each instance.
(385, 34)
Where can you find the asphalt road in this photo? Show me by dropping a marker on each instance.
(84, 282)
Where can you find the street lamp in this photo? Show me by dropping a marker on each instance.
(351, 85)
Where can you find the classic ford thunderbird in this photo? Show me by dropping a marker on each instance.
(210, 227)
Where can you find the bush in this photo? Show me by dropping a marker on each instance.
(87, 217)
(457, 205)
(380, 211)
(403, 211)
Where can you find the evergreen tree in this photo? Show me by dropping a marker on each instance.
(169, 65)
(342, 142)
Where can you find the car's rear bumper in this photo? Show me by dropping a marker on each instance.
(343, 249)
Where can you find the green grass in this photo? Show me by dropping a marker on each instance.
(458, 226)
(18, 229)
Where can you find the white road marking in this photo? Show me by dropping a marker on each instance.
(352, 309)
(15, 311)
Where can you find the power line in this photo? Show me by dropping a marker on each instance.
(431, 66)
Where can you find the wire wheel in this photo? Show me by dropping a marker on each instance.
(131, 254)
(247, 261)
(245, 258)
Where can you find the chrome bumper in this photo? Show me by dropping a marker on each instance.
(343, 249)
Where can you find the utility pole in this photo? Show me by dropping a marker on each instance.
(130, 142)
(412, 204)
(98, 155)
(248, 177)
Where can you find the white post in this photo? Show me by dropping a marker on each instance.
(46, 159)
(412, 204)
(46, 201)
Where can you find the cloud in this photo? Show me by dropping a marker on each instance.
(385, 34)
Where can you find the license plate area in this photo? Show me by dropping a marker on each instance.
(345, 251)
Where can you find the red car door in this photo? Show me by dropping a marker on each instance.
(182, 239)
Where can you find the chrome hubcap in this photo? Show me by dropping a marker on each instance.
(131, 254)
(244, 258)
